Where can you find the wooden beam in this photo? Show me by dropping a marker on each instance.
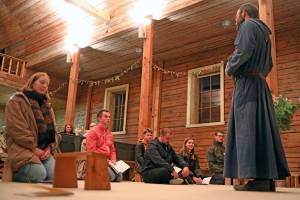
(72, 91)
(266, 15)
(118, 24)
(146, 80)
(88, 106)
(156, 100)
(85, 6)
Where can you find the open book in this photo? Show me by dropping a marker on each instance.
(119, 167)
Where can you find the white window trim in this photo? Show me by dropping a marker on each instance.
(190, 95)
(108, 92)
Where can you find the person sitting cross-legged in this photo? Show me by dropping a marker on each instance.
(187, 153)
(159, 160)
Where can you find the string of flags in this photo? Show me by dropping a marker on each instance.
(135, 65)
(168, 72)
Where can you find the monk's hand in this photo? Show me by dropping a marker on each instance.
(185, 172)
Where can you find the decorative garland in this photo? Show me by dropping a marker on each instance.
(168, 72)
(204, 70)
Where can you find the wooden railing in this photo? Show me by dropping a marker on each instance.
(12, 66)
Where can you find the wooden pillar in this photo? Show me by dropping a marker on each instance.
(72, 91)
(156, 100)
(146, 80)
(266, 15)
(88, 107)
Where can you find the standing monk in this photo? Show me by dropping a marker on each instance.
(254, 149)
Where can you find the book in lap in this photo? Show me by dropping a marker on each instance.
(119, 167)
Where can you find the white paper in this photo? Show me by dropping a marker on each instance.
(206, 180)
(120, 166)
(177, 169)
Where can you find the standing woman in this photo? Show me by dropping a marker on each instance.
(31, 134)
(187, 153)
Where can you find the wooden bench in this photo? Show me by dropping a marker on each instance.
(96, 176)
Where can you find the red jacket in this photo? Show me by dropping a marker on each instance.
(100, 140)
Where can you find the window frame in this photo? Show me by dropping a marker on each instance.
(191, 93)
(107, 96)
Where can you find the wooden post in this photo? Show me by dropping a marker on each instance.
(266, 15)
(146, 80)
(156, 102)
(88, 106)
(72, 91)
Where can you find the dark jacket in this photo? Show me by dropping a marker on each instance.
(193, 164)
(215, 158)
(139, 156)
(159, 155)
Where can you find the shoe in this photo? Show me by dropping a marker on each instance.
(257, 185)
(177, 181)
(119, 177)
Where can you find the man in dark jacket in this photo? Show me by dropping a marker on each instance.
(215, 158)
(140, 149)
(159, 160)
(254, 148)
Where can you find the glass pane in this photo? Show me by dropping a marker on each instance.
(204, 84)
(215, 98)
(215, 82)
(215, 114)
(118, 120)
(204, 115)
(204, 100)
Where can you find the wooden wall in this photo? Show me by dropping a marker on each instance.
(174, 99)
(133, 78)
(288, 60)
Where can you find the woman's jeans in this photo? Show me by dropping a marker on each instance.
(32, 172)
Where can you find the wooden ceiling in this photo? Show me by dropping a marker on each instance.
(189, 27)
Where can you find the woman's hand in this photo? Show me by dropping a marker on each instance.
(46, 153)
(42, 154)
(197, 180)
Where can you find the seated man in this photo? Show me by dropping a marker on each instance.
(141, 147)
(159, 160)
(100, 140)
(215, 157)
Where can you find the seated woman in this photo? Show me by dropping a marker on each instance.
(187, 153)
(68, 129)
(30, 131)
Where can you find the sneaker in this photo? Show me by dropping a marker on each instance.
(119, 177)
(177, 181)
(257, 185)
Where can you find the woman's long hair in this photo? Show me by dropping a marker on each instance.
(65, 130)
(29, 83)
(185, 152)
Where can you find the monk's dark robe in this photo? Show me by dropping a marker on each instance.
(254, 148)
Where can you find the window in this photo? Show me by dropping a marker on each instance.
(205, 104)
(116, 102)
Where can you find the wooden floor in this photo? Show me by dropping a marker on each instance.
(142, 191)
